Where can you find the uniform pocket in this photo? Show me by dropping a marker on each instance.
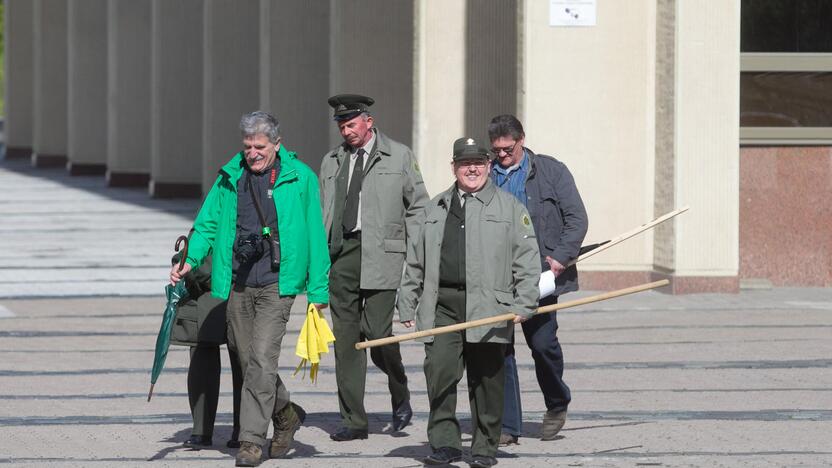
(394, 245)
(505, 299)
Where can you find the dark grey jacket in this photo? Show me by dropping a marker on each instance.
(558, 215)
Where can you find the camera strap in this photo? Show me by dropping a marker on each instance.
(265, 228)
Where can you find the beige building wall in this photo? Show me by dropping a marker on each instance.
(19, 76)
(587, 98)
(439, 87)
(87, 82)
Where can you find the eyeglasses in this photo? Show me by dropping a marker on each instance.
(475, 163)
(507, 149)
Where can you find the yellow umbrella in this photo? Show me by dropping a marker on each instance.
(313, 341)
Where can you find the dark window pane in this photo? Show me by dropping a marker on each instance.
(786, 26)
(786, 99)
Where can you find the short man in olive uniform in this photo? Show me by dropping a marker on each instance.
(475, 257)
(372, 195)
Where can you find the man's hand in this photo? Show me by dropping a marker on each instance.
(176, 275)
(555, 266)
(519, 318)
(319, 306)
(408, 323)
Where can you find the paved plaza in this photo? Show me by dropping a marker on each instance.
(657, 380)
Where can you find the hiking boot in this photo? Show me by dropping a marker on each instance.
(249, 454)
(286, 423)
(553, 422)
(508, 439)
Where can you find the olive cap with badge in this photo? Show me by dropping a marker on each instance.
(466, 148)
(347, 106)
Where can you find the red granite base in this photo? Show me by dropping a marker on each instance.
(174, 190)
(610, 280)
(18, 152)
(85, 169)
(786, 215)
(127, 179)
(48, 160)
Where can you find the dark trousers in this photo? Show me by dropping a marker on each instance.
(358, 314)
(541, 337)
(445, 360)
(204, 388)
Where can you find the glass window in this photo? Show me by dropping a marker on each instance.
(786, 71)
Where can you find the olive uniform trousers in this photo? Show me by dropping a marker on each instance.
(445, 360)
(204, 388)
(358, 314)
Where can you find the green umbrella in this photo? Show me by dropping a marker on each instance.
(175, 293)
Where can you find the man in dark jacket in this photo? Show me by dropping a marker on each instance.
(546, 187)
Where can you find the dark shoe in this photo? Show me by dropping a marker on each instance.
(345, 434)
(482, 461)
(444, 456)
(197, 442)
(553, 422)
(508, 439)
(402, 416)
(249, 454)
(286, 423)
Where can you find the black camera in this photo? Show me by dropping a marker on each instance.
(249, 249)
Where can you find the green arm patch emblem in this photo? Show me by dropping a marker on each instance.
(526, 221)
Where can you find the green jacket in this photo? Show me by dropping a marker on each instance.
(392, 197)
(501, 264)
(304, 258)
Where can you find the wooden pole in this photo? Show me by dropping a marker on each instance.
(509, 316)
(630, 234)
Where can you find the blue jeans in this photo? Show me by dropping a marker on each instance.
(541, 336)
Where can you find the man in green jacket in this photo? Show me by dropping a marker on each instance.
(475, 257)
(373, 196)
(262, 218)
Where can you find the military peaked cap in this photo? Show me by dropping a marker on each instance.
(468, 148)
(348, 106)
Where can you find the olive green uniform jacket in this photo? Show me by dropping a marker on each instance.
(501, 264)
(392, 197)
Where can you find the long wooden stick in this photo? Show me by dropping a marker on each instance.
(630, 234)
(508, 316)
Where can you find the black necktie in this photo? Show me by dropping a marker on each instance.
(351, 205)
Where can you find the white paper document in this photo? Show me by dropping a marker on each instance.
(547, 284)
(572, 12)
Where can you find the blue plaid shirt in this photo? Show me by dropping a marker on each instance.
(512, 180)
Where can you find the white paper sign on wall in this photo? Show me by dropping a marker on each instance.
(572, 12)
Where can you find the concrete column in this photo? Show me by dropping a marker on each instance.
(231, 71)
(49, 137)
(128, 86)
(176, 98)
(491, 63)
(372, 54)
(439, 86)
(294, 74)
(705, 171)
(87, 79)
(587, 98)
(19, 75)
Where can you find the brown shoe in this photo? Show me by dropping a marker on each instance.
(553, 422)
(286, 423)
(249, 454)
(508, 439)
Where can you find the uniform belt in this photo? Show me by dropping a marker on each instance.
(353, 235)
(458, 287)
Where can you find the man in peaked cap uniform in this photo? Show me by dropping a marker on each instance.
(372, 196)
(475, 257)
